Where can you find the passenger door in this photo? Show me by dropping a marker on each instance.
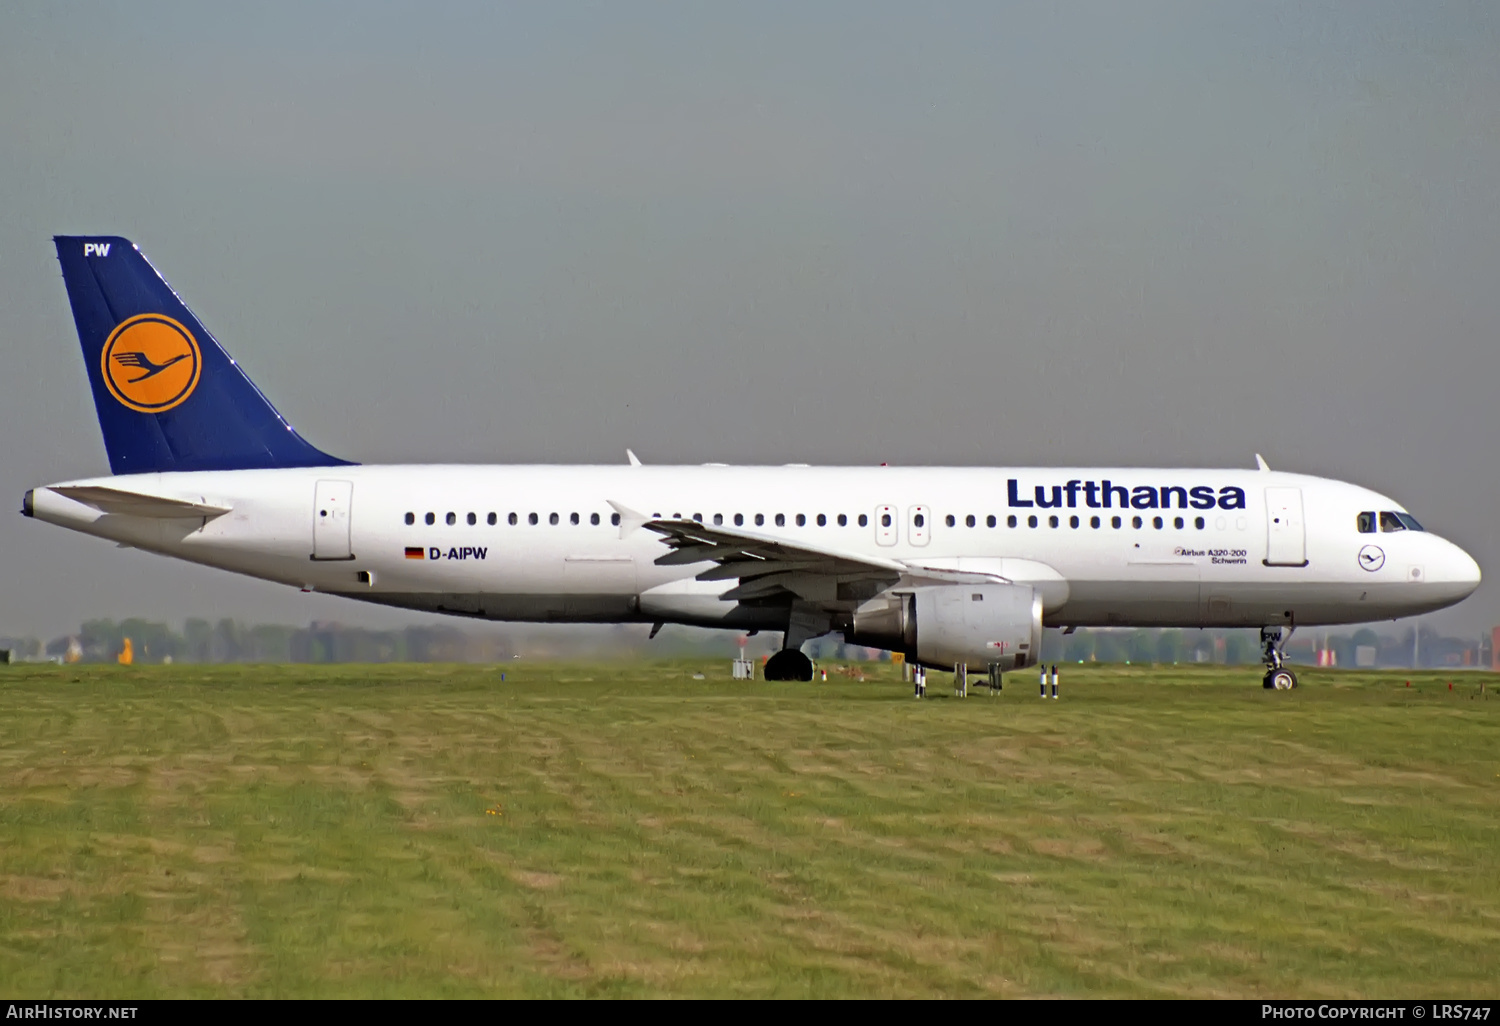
(331, 502)
(1286, 534)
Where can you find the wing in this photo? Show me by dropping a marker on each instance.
(773, 571)
(135, 504)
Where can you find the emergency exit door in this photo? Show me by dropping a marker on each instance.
(918, 525)
(331, 501)
(1286, 535)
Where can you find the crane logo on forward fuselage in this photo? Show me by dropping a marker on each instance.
(151, 363)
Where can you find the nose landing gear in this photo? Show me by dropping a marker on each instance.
(1278, 677)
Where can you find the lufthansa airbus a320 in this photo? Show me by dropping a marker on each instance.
(954, 567)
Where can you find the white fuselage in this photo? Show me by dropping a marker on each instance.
(1254, 561)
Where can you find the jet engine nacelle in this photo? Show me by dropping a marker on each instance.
(940, 625)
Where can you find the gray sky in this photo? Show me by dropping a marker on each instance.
(1165, 234)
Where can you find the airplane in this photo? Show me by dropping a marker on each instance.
(951, 566)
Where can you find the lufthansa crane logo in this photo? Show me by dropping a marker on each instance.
(1371, 558)
(151, 363)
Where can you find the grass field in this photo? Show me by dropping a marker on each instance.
(627, 830)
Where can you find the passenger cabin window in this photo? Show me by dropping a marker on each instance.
(1052, 521)
(513, 519)
(781, 520)
(718, 520)
(594, 519)
(531, 519)
(1094, 522)
(739, 520)
(552, 520)
(822, 520)
(1072, 521)
(614, 518)
(411, 518)
(760, 520)
(989, 521)
(491, 519)
(573, 518)
(431, 518)
(969, 520)
(801, 520)
(1010, 521)
(949, 521)
(1031, 520)
(473, 520)
(452, 519)
(1365, 522)
(864, 521)
(843, 520)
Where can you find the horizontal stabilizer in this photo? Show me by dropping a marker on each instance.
(134, 504)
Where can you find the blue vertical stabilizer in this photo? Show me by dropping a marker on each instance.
(168, 396)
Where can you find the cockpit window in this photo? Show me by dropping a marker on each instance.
(1390, 520)
(1366, 523)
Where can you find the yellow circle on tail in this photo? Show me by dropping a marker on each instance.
(151, 363)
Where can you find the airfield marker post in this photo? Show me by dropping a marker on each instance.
(1044, 680)
(1054, 680)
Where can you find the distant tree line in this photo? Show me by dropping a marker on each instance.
(1242, 647)
(229, 641)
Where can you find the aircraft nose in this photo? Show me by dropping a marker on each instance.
(1460, 569)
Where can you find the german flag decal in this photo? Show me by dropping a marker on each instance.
(415, 553)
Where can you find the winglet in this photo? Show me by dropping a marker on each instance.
(1260, 463)
(635, 461)
(630, 520)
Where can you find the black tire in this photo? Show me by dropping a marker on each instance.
(1279, 680)
(789, 664)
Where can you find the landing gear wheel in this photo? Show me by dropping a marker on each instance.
(1279, 680)
(789, 664)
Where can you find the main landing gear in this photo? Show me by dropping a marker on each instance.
(804, 622)
(1278, 677)
(789, 664)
